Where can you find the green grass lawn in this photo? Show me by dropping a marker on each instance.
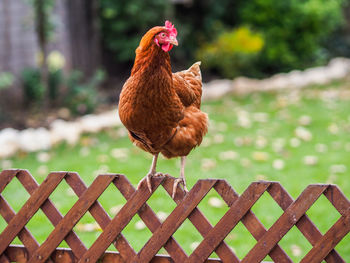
(294, 137)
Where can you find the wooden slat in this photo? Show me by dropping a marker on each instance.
(119, 222)
(333, 236)
(71, 218)
(24, 235)
(63, 255)
(174, 220)
(228, 221)
(6, 177)
(151, 220)
(286, 221)
(305, 225)
(100, 215)
(337, 199)
(200, 222)
(250, 221)
(29, 209)
(52, 212)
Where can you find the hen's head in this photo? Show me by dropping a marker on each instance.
(162, 36)
(166, 39)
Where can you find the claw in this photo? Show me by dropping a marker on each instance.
(148, 178)
(182, 177)
(149, 182)
(176, 183)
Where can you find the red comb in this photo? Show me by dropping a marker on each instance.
(171, 28)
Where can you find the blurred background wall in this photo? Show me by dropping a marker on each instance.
(17, 41)
(75, 35)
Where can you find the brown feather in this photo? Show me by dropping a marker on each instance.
(161, 110)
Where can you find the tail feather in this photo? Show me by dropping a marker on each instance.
(196, 70)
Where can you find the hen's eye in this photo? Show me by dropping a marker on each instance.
(162, 35)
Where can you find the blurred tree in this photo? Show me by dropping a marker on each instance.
(44, 28)
(82, 21)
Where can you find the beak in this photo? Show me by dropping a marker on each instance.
(173, 41)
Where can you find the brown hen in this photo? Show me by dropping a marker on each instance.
(161, 109)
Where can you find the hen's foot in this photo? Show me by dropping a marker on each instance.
(148, 178)
(176, 183)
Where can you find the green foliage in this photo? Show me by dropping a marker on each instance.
(233, 52)
(123, 22)
(200, 23)
(6, 80)
(72, 91)
(81, 96)
(294, 30)
(32, 86)
(55, 81)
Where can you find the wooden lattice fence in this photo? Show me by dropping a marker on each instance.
(213, 236)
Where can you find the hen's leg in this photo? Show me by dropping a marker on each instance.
(182, 172)
(152, 172)
(182, 178)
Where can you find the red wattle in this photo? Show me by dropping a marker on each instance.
(167, 47)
